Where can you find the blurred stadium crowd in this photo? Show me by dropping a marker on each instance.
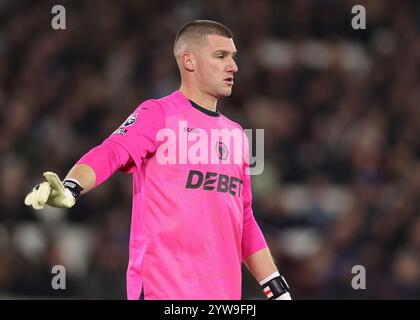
(340, 109)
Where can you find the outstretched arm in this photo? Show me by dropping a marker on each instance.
(84, 174)
(91, 170)
(123, 150)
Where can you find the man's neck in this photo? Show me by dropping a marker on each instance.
(203, 100)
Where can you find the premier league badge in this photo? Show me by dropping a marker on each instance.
(131, 119)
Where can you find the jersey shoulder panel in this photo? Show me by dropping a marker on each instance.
(174, 104)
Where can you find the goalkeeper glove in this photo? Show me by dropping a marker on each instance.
(275, 287)
(54, 193)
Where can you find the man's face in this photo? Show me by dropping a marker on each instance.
(215, 66)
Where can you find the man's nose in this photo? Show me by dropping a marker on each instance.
(232, 67)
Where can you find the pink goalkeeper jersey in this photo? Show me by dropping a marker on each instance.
(192, 222)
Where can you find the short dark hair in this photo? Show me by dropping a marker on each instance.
(197, 29)
(204, 27)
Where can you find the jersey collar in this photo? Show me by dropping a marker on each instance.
(204, 110)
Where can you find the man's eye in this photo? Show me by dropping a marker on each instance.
(219, 56)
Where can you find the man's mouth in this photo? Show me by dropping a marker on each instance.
(229, 80)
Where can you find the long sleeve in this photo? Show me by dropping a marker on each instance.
(252, 238)
(127, 146)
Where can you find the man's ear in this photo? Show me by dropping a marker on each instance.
(188, 61)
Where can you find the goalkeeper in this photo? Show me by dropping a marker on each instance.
(192, 222)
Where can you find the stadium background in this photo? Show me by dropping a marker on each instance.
(340, 109)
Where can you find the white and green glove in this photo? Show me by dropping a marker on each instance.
(54, 193)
